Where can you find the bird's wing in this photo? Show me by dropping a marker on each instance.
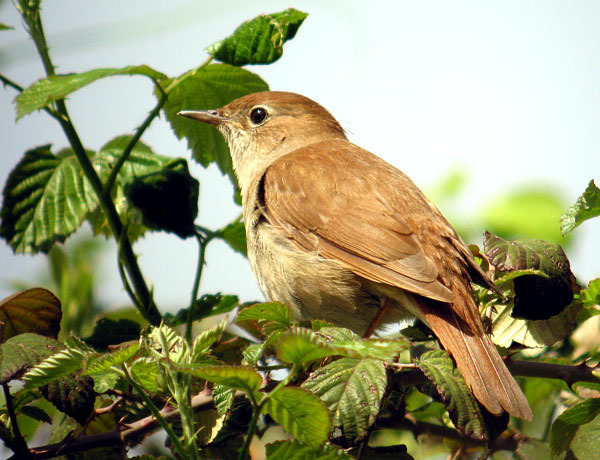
(356, 215)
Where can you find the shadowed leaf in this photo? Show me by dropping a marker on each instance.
(34, 310)
(295, 450)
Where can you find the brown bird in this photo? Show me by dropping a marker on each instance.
(338, 234)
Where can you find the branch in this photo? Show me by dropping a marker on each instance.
(569, 374)
(200, 403)
(510, 443)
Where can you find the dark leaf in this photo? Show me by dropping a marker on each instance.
(74, 396)
(168, 199)
(295, 450)
(207, 305)
(110, 332)
(259, 40)
(586, 207)
(537, 295)
(34, 310)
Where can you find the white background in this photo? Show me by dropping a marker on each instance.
(510, 91)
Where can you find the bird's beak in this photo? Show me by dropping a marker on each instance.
(211, 117)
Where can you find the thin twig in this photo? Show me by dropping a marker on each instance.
(18, 444)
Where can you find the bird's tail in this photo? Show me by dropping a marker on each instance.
(477, 359)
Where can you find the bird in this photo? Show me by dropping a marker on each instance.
(338, 234)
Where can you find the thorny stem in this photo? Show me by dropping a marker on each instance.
(149, 311)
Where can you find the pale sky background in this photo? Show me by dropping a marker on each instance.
(509, 90)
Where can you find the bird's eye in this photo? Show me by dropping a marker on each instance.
(258, 115)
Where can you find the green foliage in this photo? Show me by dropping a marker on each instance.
(260, 40)
(577, 430)
(544, 291)
(466, 413)
(56, 87)
(333, 386)
(206, 88)
(586, 207)
(352, 389)
(300, 413)
(294, 450)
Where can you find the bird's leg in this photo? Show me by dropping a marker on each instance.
(377, 318)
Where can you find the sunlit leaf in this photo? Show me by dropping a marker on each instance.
(235, 377)
(206, 88)
(223, 398)
(34, 310)
(48, 90)
(275, 312)
(259, 40)
(467, 415)
(300, 413)
(300, 345)
(74, 396)
(58, 365)
(234, 235)
(206, 338)
(352, 389)
(586, 207)
(146, 372)
(105, 361)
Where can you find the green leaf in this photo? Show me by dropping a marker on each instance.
(530, 212)
(146, 372)
(536, 297)
(274, 312)
(45, 200)
(590, 296)
(34, 310)
(142, 161)
(74, 396)
(5, 27)
(205, 306)
(295, 450)
(576, 427)
(48, 90)
(110, 332)
(586, 207)
(384, 349)
(299, 346)
(206, 338)
(63, 363)
(23, 351)
(223, 398)
(465, 412)
(259, 40)
(167, 199)
(352, 389)
(300, 413)
(234, 234)
(205, 88)
(104, 362)
(47, 197)
(235, 377)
